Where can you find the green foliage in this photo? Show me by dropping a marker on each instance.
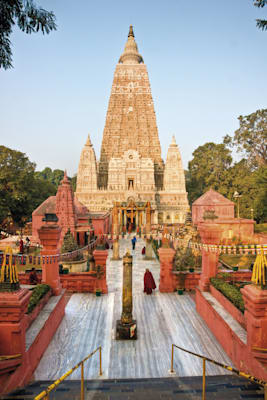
(184, 259)
(69, 243)
(20, 191)
(251, 138)
(231, 292)
(28, 17)
(261, 228)
(207, 169)
(38, 292)
(212, 166)
(54, 177)
(261, 23)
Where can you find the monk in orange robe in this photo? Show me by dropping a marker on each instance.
(149, 283)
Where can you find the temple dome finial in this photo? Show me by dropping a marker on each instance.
(131, 32)
(130, 54)
(88, 141)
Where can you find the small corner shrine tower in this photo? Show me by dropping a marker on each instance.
(130, 169)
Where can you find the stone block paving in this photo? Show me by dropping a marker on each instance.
(218, 387)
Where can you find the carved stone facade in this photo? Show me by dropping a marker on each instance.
(130, 166)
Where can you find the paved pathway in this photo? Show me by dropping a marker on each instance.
(162, 319)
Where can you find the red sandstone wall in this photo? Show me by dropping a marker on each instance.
(232, 345)
(222, 211)
(37, 223)
(31, 358)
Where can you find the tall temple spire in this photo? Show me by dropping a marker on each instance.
(130, 54)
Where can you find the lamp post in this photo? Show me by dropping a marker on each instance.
(237, 196)
(252, 213)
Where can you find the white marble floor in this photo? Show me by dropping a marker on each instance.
(162, 319)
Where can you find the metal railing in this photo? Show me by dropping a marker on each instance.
(45, 393)
(235, 371)
(13, 356)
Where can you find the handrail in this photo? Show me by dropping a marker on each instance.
(234, 370)
(259, 349)
(45, 393)
(11, 357)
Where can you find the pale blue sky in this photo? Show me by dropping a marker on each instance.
(206, 62)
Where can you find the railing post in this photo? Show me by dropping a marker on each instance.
(204, 380)
(265, 391)
(82, 382)
(100, 361)
(172, 359)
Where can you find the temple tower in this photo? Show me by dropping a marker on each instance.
(174, 180)
(65, 210)
(130, 121)
(87, 172)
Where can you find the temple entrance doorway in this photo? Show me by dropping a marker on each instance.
(130, 225)
(131, 216)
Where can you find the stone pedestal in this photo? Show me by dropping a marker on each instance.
(13, 306)
(166, 256)
(100, 257)
(49, 235)
(116, 250)
(126, 327)
(149, 250)
(255, 301)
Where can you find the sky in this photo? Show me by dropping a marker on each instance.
(206, 62)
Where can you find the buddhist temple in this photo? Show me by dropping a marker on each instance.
(130, 170)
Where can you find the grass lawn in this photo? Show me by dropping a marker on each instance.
(244, 261)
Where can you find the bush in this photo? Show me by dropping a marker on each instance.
(69, 245)
(185, 258)
(38, 292)
(231, 292)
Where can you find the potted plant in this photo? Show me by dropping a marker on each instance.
(98, 292)
(235, 268)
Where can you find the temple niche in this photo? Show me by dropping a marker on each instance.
(130, 164)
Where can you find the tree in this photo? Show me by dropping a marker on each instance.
(54, 177)
(20, 190)
(207, 169)
(251, 137)
(261, 23)
(28, 17)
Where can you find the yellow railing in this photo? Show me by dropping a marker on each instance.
(235, 371)
(3, 358)
(45, 393)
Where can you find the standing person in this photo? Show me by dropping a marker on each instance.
(21, 246)
(27, 245)
(133, 242)
(149, 283)
(144, 251)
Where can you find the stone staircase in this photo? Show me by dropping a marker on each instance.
(218, 387)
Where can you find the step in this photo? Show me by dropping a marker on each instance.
(218, 387)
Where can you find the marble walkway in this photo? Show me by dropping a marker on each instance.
(162, 319)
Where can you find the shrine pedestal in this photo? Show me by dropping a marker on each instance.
(126, 331)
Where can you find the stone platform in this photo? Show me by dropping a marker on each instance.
(162, 318)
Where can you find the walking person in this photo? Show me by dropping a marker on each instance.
(133, 242)
(149, 283)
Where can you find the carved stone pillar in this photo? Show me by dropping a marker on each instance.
(116, 250)
(126, 326)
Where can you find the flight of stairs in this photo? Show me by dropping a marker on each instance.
(223, 387)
